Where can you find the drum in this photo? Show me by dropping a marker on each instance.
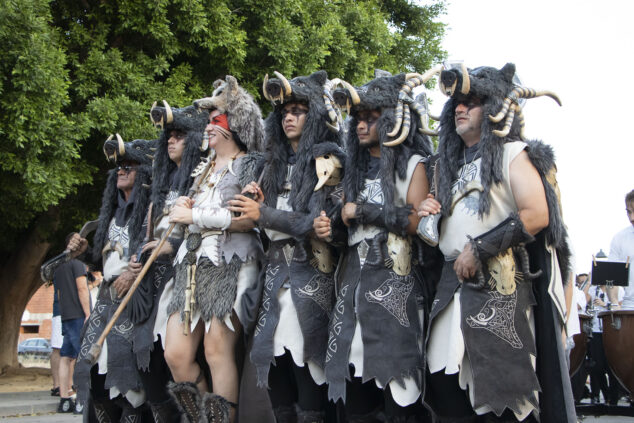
(578, 353)
(618, 342)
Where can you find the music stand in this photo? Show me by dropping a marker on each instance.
(610, 273)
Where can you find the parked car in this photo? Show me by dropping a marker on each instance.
(35, 346)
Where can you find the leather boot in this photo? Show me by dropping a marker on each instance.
(310, 416)
(285, 414)
(106, 411)
(166, 412)
(188, 400)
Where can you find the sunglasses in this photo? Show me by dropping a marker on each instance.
(126, 168)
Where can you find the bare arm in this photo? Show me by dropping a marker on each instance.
(416, 193)
(84, 296)
(529, 194)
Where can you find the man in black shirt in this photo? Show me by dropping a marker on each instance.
(74, 302)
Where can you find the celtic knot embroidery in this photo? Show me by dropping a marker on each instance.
(392, 295)
(498, 317)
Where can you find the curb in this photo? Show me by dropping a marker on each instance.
(27, 403)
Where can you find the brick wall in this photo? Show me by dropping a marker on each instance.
(36, 319)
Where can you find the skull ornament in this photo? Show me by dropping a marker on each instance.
(400, 251)
(502, 270)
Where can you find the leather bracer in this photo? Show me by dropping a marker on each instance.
(509, 233)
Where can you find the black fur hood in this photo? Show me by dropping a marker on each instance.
(308, 90)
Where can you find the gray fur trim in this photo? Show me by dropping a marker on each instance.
(216, 408)
(188, 400)
(215, 288)
(250, 168)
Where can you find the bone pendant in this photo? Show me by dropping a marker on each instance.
(400, 251)
(321, 252)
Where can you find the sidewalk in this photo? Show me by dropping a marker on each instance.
(26, 403)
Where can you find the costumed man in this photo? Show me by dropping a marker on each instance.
(374, 362)
(177, 153)
(296, 286)
(218, 260)
(495, 350)
(113, 382)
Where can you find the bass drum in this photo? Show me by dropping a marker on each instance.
(578, 353)
(618, 342)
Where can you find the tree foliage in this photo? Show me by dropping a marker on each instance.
(75, 71)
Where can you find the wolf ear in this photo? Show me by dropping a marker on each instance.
(232, 84)
(218, 82)
(320, 77)
(508, 71)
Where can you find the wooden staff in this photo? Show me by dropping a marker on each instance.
(95, 349)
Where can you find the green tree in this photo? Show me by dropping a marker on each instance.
(75, 71)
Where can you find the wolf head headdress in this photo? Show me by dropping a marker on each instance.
(118, 152)
(166, 175)
(319, 127)
(243, 114)
(390, 95)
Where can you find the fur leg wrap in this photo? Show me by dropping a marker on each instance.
(373, 214)
(216, 408)
(509, 233)
(310, 416)
(285, 414)
(188, 401)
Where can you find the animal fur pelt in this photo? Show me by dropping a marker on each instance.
(381, 93)
(243, 114)
(308, 90)
(138, 151)
(251, 168)
(215, 288)
(166, 175)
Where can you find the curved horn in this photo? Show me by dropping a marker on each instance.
(266, 81)
(431, 73)
(334, 126)
(332, 115)
(422, 112)
(168, 111)
(520, 118)
(404, 132)
(507, 123)
(354, 95)
(434, 117)
(287, 85)
(466, 82)
(399, 119)
(531, 93)
(104, 146)
(505, 108)
(121, 145)
(152, 108)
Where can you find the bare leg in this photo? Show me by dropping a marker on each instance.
(55, 358)
(220, 344)
(180, 351)
(65, 365)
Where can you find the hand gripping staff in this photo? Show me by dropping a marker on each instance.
(200, 172)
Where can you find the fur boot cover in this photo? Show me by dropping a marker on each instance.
(303, 89)
(215, 288)
(492, 87)
(382, 93)
(189, 401)
(117, 151)
(166, 175)
(216, 408)
(243, 114)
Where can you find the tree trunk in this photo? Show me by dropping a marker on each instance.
(19, 279)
